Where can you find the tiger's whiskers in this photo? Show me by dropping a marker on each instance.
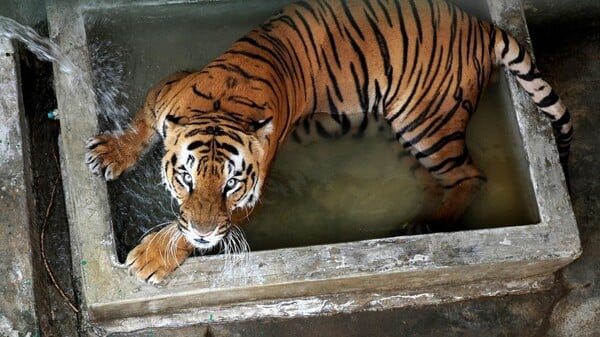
(235, 249)
(151, 229)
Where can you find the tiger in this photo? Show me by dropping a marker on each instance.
(422, 66)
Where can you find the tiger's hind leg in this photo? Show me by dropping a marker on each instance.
(432, 193)
(110, 154)
(444, 154)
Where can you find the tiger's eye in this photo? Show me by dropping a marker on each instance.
(231, 183)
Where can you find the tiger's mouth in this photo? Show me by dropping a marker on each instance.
(204, 240)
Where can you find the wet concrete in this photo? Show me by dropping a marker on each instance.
(567, 50)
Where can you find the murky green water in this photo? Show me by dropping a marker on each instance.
(323, 192)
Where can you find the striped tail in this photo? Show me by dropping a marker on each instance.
(515, 57)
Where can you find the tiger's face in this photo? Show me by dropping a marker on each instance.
(213, 168)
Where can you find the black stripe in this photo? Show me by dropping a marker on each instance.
(238, 70)
(332, 107)
(370, 9)
(424, 113)
(385, 11)
(362, 95)
(458, 135)
(346, 125)
(564, 119)
(363, 126)
(404, 106)
(201, 94)
(405, 42)
(434, 48)
(332, 46)
(258, 57)
(245, 101)
(355, 25)
(492, 38)
(549, 100)
(228, 147)
(282, 63)
(282, 54)
(190, 161)
(195, 145)
(333, 14)
(295, 136)
(531, 75)
(519, 57)
(453, 163)
(310, 36)
(383, 49)
(333, 79)
(375, 109)
(290, 22)
(506, 44)
(173, 119)
(362, 91)
(321, 131)
(417, 20)
(309, 8)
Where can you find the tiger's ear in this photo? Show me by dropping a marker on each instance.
(172, 121)
(262, 129)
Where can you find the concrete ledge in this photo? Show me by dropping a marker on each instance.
(17, 308)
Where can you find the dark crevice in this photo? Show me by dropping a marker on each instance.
(55, 318)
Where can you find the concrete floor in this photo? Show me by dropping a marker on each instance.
(568, 52)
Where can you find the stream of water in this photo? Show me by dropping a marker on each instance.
(110, 113)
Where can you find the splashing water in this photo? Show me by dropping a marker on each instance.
(109, 71)
(42, 47)
(47, 50)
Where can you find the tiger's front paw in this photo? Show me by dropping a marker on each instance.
(110, 155)
(158, 255)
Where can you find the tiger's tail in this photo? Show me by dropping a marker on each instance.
(518, 61)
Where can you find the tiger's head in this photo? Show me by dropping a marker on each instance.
(214, 165)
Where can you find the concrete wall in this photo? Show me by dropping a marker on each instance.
(550, 11)
(28, 12)
(17, 308)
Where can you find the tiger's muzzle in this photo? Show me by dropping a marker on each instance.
(203, 227)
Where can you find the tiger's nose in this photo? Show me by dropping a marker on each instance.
(201, 240)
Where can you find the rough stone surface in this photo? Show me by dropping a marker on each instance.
(568, 52)
(17, 311)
